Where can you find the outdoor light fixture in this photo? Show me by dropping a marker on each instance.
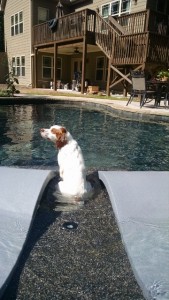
(135, 2)
(69, 225)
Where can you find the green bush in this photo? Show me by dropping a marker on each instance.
(11, 84)
(4, 93)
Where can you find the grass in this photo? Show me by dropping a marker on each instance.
(48, 92)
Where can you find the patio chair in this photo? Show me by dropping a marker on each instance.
(140, 89)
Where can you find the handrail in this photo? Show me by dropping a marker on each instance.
(116, 26)
(104, 35)
(114, 44)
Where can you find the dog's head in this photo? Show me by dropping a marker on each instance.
(56, 134)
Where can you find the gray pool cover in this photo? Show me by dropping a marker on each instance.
(20, 192)
(140, 201)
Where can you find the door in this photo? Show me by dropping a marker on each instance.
(76, 69)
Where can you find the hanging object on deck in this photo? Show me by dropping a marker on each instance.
(59, 10)
(59, 13)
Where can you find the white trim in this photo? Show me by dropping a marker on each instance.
(120, 6)
(16, 24)
(16, 67)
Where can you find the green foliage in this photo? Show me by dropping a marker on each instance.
(11, 81)
(163, 73)
(3, 93)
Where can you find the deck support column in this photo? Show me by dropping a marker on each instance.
(35, 75)
(83, 66)
(108, 78)
(84, 57)
(55, 67)
(125, 85)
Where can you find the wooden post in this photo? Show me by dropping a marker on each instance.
(55, 68)
(83, 66)
(84, 58)
(108, 78)
(109, 67)
(125, 84)
(35, 81)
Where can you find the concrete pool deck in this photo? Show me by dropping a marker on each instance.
(116, 105)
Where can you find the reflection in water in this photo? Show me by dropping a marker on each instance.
(53, 199)
(106, 141)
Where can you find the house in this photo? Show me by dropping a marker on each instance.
(79, 42)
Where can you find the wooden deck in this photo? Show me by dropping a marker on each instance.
(144, 43)
(69, 28)
(131, 40)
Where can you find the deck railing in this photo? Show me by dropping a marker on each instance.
(130, 49)
(158, 49)
(104, 35)
(158, 23)
(122, 49)
(135, 22)
(138, 44)
(147, 20)
(68, 27)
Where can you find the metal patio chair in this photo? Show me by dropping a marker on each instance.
(141, 89)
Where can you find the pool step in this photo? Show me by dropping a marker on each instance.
(20, 193)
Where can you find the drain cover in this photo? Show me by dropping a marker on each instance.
(70, 225)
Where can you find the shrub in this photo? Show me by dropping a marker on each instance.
(11, 81)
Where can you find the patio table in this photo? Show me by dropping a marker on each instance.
(162, 91)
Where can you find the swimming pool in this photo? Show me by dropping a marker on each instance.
(107, 142)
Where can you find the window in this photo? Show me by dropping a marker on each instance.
(115, 8)
(47, 67)
(18, 65)
(105, 10)
(43, 14)
(125, 6)
(17, 23)
(99, 68)
(59, 68)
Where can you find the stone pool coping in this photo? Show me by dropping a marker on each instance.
(148, 113)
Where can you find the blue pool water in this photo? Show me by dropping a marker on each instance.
(106, 141)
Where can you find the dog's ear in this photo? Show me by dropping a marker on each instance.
(63, 132)
(60, 136)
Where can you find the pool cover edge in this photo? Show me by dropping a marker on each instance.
(140, 201)
(20, 194)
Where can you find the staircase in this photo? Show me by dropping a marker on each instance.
(120, 47)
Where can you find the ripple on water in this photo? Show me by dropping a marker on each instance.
(106, 141)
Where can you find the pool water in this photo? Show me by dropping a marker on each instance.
(107, 142)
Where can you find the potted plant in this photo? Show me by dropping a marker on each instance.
(163, 75)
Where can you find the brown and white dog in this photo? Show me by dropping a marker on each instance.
(70, 161)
